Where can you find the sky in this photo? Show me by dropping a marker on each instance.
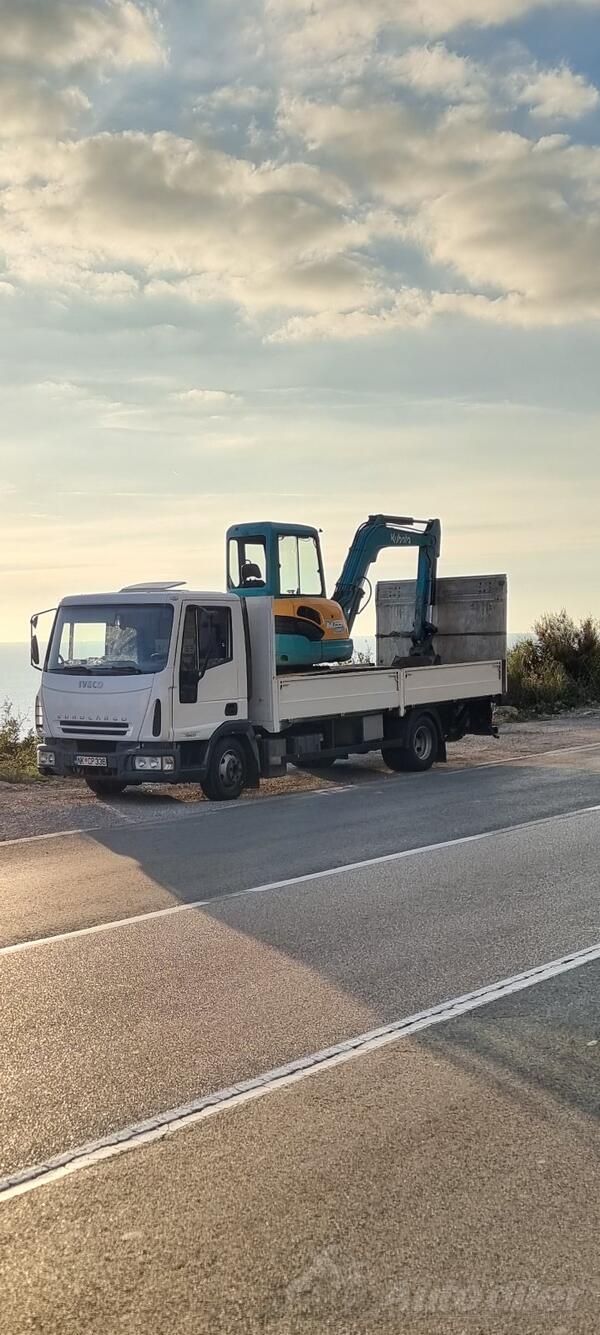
(302, 260)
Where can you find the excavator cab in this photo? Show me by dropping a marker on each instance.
(284, 562)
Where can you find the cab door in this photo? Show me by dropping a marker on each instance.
(206, 690)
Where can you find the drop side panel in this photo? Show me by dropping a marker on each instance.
(452, 681)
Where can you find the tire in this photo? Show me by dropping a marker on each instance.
(420, 747)
(106, 787)
(394, 757)
(227, 772)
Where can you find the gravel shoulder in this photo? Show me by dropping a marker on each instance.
(53, 805)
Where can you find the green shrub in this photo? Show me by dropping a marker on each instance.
(17, 751)
(558, 667)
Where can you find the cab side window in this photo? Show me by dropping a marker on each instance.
(214, 636)
(247, 563)
(207, 642)
(188, 664)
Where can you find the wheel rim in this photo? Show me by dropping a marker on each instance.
(423, 742)
(231, 769)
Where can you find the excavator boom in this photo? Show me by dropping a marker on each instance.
(378, 532)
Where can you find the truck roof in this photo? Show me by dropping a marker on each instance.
(149, 595)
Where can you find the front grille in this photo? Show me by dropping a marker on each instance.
(94, 747)
(79, 728)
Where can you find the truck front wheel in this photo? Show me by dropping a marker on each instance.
(227, 771)
(420, 746)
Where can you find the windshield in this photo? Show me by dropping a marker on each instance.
(111, 638)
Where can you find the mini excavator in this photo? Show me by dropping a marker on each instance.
(284, 562)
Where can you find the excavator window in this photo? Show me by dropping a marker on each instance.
(247, 563)
(299, 566)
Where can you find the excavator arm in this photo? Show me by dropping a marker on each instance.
(381, 531)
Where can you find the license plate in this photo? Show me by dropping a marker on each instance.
(92, 762)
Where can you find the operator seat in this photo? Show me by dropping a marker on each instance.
(251, 576)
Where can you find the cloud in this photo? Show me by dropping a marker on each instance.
(237, 96)
(436, 17)
(516, 219)
(29, 106)
(339, 36)
(61, 34)
(200, 223)
(412, 308)
(433, 70)
(378, 209)
(558, 94)
(409, 308)
(204, 398)
(336, 34)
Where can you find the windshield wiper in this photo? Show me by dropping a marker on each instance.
(100, 670)
(72, 667)
(118, 669)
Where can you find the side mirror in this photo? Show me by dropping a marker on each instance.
(36, 656)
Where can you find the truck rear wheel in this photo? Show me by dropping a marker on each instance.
(420, 746)
(227, 771)
(106, 787)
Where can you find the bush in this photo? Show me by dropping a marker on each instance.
(558, 667)
(17, 752)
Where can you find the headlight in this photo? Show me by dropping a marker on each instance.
(45, 757)
(147, 762)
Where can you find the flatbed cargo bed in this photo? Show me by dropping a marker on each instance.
(278, 701)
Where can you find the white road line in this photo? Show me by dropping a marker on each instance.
(527, 755)
(55, 834)
(139, 1134)
(210, 808)
(115, 924)
(149, 823)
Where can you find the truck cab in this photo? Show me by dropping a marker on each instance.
(141, 685)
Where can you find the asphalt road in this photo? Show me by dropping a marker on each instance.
(56, 884)
(407, 1189)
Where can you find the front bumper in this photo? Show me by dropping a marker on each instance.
(120, 760)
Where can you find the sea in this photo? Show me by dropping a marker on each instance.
(19, 681)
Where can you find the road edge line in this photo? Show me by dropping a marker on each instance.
(140, 1134)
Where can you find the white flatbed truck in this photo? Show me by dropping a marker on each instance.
(163, 684)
